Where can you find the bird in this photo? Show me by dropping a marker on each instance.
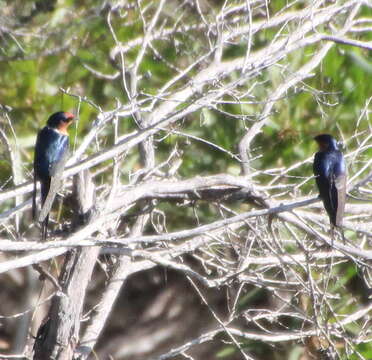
(330, 175)
(51, 152)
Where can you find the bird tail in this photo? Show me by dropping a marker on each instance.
(45, 186)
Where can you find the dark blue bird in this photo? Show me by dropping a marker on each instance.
(51, 150)
(330, 171)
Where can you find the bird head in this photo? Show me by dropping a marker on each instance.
(326, 142)
(60, 121)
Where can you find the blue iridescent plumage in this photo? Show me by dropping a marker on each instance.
(51, 150)
(330, 171)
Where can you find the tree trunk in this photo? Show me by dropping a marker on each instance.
(59, 334)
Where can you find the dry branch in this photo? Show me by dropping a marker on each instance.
(262, 233)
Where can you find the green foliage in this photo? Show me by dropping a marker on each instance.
(66, 37)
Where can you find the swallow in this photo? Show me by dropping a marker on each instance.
(330, 174)
(51, 152)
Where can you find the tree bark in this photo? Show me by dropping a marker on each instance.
(58, 336)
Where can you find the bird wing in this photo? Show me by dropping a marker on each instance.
(321, 168)
(326, 177)
(337, 190)
(34, 207)
(339, 172)
(56, 171)
(340, 184)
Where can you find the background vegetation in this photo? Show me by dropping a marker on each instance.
(193, 78)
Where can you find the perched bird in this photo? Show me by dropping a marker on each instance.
(51, 150)
(330, 171)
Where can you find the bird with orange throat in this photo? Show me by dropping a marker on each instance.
(51, 152)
